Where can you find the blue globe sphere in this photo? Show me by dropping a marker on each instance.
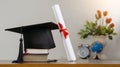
(97, 47)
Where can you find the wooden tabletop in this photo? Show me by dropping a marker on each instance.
(64, 63)
(80, 61)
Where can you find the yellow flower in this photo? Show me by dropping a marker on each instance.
(105, 13)
(99, 15)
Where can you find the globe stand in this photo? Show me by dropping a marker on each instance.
(96, 57)
(97, 48)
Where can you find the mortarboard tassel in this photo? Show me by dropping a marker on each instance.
(20, 56)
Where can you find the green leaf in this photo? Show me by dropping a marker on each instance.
(101, 30)
(110, 30)
(91, 26)
(83, 33)
(85, 36)
(110, 37)
(114, 33)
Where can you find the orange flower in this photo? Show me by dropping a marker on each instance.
(112, 25)
(99, 14)
(105, 13)
(108, 20)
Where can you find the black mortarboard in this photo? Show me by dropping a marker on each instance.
(38, 36)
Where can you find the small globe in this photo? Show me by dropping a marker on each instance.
(97, 47)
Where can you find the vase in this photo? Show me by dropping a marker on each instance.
(100, 39)
(97, 47)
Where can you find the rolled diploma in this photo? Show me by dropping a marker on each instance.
(66, 40)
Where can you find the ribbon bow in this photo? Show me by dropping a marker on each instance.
(26, 52)
(65, 33)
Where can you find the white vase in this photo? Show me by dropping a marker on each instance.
(102, 40)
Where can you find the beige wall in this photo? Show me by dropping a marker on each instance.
(14, 13)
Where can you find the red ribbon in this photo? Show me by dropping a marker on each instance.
(26, 52)
(65, 33)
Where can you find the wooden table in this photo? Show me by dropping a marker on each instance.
(79, 63)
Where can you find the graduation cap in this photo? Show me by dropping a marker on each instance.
(38, 36)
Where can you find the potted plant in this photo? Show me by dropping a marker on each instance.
(101, 28)
(103, 25)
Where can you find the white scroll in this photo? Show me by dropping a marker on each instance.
(64, 34)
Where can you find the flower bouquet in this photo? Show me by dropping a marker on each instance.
(103, 25)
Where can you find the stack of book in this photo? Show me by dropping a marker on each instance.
(36, 55)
